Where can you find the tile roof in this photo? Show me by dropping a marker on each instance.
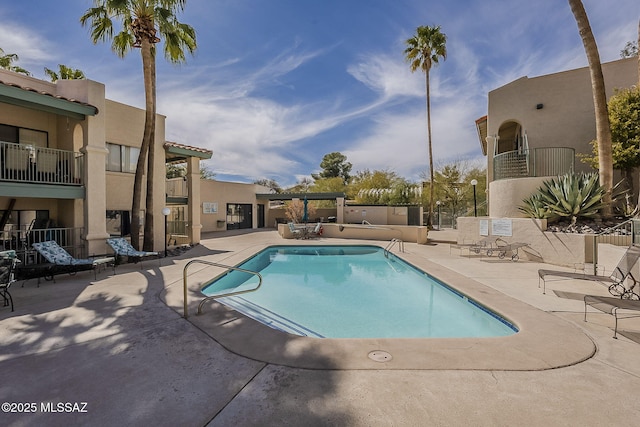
(29, 89)
(187, 147)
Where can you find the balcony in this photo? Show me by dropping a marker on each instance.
(535, 162)
(177, 191)
(21, 238)
(25, 163)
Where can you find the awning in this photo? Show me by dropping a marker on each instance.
(309, 196)
(178, 153)
(481, 126)
(43, 101)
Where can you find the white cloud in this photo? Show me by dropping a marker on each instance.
(387, 75)
(30, 46)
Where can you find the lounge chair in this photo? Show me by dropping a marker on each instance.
(611, 306)
(297, 233)
(63, 262)
(615, 280)
(502, 247)
(122, 248)
(8, 261)
(475, 247)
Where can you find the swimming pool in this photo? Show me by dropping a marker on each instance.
(352, 292)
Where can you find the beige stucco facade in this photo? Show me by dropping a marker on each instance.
(47, 108)
(554, 110)
(217, 195)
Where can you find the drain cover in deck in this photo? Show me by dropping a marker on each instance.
(380, 356)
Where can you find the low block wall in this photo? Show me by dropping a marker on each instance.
(406, 233)
(554, 248)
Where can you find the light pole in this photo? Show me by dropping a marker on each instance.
(439, 222)
(165, 212)
(474, 182)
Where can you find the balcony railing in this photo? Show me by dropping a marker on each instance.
(177, 187)
(20, 240)
(39, 165)
(550, 161)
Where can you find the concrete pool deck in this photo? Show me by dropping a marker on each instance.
(120, 345)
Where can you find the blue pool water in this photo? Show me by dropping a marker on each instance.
(352, 292)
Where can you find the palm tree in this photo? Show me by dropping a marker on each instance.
(603, 128)
(7, 60)
(141, 20)
(64, 73)
(423, 51)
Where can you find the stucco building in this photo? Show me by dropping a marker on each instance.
(67, 163)
(535, 127)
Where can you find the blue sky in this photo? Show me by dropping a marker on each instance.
(277, 84)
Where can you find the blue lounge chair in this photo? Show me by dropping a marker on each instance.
(63, 262)
(122, 247)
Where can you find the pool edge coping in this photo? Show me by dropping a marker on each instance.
(544, 341)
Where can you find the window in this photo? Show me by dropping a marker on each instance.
(122, 158)
(33, 137)
(23, 136)
(119, 223)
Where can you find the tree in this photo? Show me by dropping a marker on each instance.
(7, 60)
(370, 187)
(180, 170)
(274, 187)
(141, 20)
(630, 50)
(423, 51)
(335, 165)
(302, 186)
(206, 173)
(64, 73)
(603, 129)
(453, 189)
(624, 118)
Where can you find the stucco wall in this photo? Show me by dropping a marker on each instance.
(566, 118)
(406, 233)
(565, 249)
(229, 192)
(506, 195)
(391, 215)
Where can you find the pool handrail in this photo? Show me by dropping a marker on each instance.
(393, 241)
(228, 294)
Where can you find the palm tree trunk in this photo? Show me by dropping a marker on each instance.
(150, 86)
(430, 214)
(603, 128)
(149, 125)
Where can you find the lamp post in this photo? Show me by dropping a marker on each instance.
(165, 212)
(474, 182)
(438, 202)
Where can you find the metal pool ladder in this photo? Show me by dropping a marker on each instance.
(228, 294)
(393, 241)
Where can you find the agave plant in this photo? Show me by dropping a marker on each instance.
(534, 207)
(569, 196)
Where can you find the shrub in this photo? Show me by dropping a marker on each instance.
(568, 196)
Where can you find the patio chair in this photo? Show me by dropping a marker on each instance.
(63, 262)
(502, 247)
(122, 248)
(8, 261)
(475, 247)
(611, 306)
(616, 280)
(297, 233)
(317, 230)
